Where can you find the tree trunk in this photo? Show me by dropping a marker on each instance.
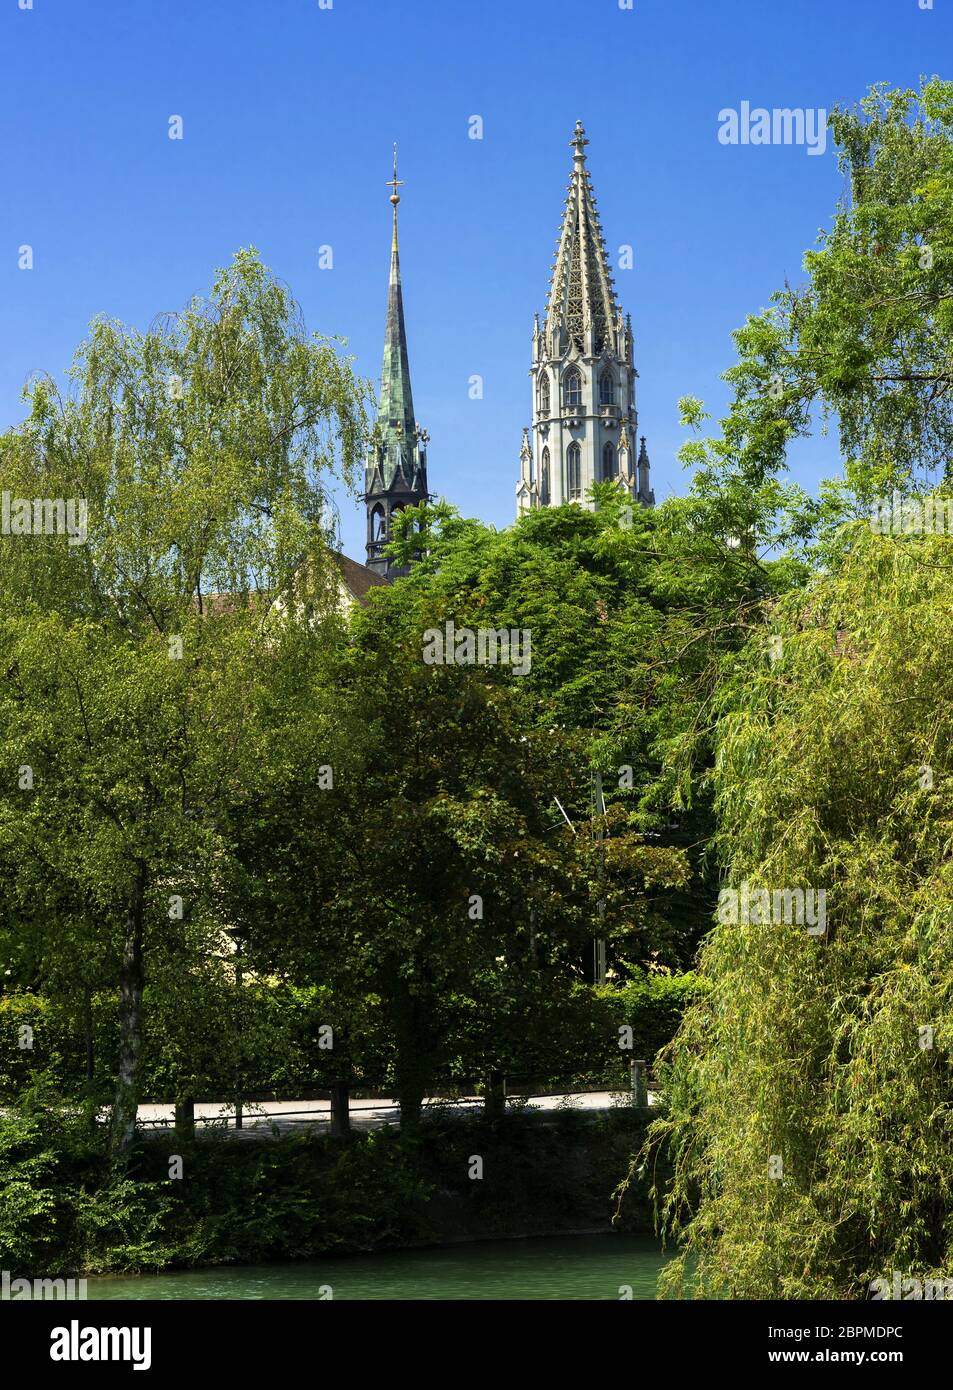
(495, 1098)
(415, 1048)
(340, 1107)
(125, 1105)
(412, 1070)
(88, 1032)
(185, 1118)
(410, 1097)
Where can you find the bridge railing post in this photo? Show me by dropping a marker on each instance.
(639, 1083)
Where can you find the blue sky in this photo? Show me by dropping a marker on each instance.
(290, 111)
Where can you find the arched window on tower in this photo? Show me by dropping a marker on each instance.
(574, 473)
(544, 394)
(609, 469)
(572, 389)
(544, 479)
(606, 389)
(378, 525)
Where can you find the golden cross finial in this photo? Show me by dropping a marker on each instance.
(395, 182)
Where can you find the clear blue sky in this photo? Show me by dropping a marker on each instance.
(290, 112)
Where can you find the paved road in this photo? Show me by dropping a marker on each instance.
(292, 1116)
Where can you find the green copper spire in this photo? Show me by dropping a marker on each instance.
(395, 474)
(396, 418)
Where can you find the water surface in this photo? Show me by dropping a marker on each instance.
(564, 1267)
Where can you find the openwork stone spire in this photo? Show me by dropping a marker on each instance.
(585, 422)
(581, 294)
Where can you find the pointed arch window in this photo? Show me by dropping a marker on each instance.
(572, 389)
(574, 473)
(609, 467)
(544, 394)
(606, 389)
(544, 479)
(378, 525)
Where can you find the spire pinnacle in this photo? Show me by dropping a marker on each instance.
(395, 182)
(581, 297)
(397, 420)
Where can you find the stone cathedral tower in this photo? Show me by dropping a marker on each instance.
(585, 423)
(395, 473)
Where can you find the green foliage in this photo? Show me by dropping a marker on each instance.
(833, 771)
(18, 1064)
(800, 1048)
(267, 1036)
(29, 1203)
(863, 344)
(135, 667)
(655, 663)
(40, 1141)
(565, 1034)
(298, 1197)
(652, 1006)
(626, 608)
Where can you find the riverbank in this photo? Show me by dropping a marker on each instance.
(217, 1202)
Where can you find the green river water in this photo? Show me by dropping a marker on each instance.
(573, 1267)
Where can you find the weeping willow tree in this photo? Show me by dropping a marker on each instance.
(809, 1097)
(805, 1146)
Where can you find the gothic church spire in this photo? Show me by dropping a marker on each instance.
(396, 415)
(395, 474)
(585, 421)
(582, 308)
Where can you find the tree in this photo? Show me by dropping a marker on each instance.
(864, 341)
(433, 871)
(803, 1102)
(134, 661)
(632, 614)
(808, 1090)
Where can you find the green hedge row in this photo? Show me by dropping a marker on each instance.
(197, 1043)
